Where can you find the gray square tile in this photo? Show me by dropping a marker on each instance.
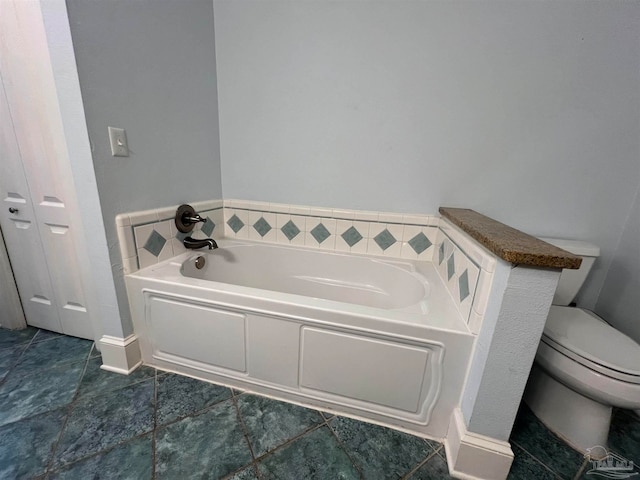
(525, 467)
(96, 381)
(235, 223)
(320, 233)
(441, 253)
(179, 396)
(155, 243)
(290, 230)
(434, 468)
(271, 423)
(209, 445)
(420, 243)
(463, 284)
(52, 353)
(451, 266)
(262, 226)
(208, 227)
(384, 239)
(8, 358)
(380, 452)
(12, 338)
(314, 456)
(351, 236)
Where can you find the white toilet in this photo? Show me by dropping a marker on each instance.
(583, 366)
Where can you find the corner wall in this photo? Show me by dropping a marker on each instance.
(149, 67)
(528, 112)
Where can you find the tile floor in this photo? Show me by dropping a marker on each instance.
(61, 417)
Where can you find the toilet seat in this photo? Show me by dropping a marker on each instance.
(587, 339)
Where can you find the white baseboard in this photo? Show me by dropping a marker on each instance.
(471, 456)
(120, 355)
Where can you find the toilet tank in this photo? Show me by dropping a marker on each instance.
(571, 280)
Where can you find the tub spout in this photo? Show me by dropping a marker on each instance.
(192, 243)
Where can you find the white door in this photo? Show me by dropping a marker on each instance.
(35, 178)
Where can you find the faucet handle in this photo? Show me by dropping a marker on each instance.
(186, 218)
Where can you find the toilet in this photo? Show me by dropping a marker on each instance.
(583, 367)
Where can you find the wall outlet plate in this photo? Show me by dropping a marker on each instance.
(118, 139)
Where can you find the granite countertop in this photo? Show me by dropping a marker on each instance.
(508, 243)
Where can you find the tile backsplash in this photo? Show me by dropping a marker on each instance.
(150, 236)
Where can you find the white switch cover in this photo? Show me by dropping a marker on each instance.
(118, 139)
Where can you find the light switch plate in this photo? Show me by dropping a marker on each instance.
(118, 139)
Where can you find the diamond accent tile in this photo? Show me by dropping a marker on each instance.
(262, 227)
(351, 236)
(207, 227)
(441, 254)
(155, 243)
(290, 230)
(320, 233)
(420, 243)
(451, 267)
(384, 239)
(463, 283)
(235, 223)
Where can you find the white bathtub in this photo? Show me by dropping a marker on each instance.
(363, 336)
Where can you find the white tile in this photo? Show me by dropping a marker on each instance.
(342, 226)
(298, 210)
(475, 321)
(321, 212)
(282, 219)
(395, 230)
(126, 241)
(361, 246)
(129, 265)
(465, 309)
(142, 234)
(365, 216)
(394, 250)
(428, 254)
(178, 246)
(166, 213)
(164, 229)
(279, 207)
(375, 229)
(144, 216)
(299, 239)
(282, 238)
(422, 220)
(408, 252)
(409, 232)
(340, 244)
(300, 222)
(206, 205)
(122, 220)
(329, 243)
(231, 203)
(384, 217)
(145, 258)
(309, 241)
(362, 227)
(373, 248)
(261, 206)
(166, 252)
(343, 214)
(483, 289)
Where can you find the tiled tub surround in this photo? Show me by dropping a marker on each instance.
(476, 342)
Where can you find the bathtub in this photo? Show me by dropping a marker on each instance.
(364, 336)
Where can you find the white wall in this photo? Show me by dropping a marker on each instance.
(619, 300)
(528, 112)
(149, 67)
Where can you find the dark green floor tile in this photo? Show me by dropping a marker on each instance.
(8, 358)
(248, 473)
(207, 446)
(13, 338)
(128, 461)
(179, 396)
(26, 446)
(624, 435)
(271, 423)
(381, 452)
(44, 335)
(24, 395)
(435, 469)
(96, 381)
(316, 455)
(99, 422)
(94, 352)
(525, 467)
(52, 353)
(533, 437)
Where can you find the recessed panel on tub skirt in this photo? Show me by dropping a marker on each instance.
(363, 368)
(196, 332)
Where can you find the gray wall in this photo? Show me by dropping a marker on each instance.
(528, 112)
(148, 66)
(619, 301)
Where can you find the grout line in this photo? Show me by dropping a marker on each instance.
(581, 470)
(344, 447)
(423, 462)
(536, 459)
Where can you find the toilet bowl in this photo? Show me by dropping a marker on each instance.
(583, 367)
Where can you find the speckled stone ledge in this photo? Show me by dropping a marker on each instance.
(508, 243)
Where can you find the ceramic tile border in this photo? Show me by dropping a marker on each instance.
(456, 253)
(327, 229)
